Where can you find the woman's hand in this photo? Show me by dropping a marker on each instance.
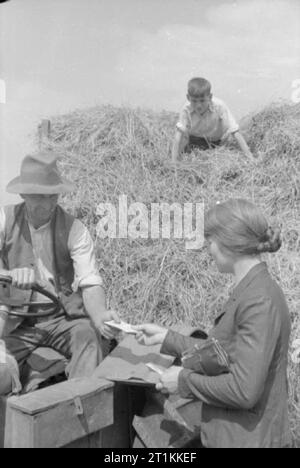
(150, 334)
(169, 380)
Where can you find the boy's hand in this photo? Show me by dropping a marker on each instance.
(22, 278)
(150, 334)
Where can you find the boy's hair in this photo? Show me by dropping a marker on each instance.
(199, 87)
(239, 227)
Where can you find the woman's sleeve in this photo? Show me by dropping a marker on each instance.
(176, 343)
(258, 329)
(82, 252)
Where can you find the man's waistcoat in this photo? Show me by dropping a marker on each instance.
(17, 250)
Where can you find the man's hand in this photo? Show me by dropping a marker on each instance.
(169, 380)
(105, 330)
(23, 278)
(95, 305)
(150, 334)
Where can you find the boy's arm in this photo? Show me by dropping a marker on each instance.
(232, 128)
(181, 134)
(177, 143)
(243, 145)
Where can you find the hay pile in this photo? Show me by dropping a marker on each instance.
(108, 152)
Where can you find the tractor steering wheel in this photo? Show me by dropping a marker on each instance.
(55, 302)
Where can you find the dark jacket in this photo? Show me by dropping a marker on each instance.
(247, 407)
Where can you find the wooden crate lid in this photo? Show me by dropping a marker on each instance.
(50, 397)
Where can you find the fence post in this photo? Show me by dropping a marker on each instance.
(44, 130)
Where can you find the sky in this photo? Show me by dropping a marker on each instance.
(62, 55)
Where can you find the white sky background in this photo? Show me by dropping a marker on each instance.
(59, 55)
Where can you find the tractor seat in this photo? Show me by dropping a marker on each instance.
(44, 366)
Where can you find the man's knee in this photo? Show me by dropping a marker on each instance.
(6, 381)
(83, 332)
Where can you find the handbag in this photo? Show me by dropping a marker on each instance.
(208, 358)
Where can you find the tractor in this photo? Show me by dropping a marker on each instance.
(104, 411)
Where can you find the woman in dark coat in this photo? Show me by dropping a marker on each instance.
(246, 403)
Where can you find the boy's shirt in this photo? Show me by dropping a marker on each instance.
(217, 122)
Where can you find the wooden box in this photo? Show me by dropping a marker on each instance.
(71, 413)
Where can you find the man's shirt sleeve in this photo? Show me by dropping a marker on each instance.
(82, 252)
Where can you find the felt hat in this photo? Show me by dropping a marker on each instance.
(39, 175)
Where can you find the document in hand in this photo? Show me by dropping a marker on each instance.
(122, 326)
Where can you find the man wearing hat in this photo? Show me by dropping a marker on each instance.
(40, 242)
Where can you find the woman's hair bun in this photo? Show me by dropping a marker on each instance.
(271, 240)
